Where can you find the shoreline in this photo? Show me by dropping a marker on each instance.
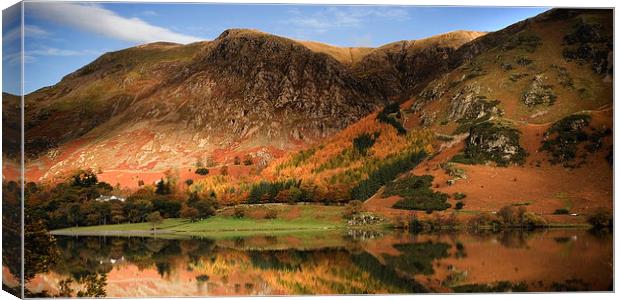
(223, 233)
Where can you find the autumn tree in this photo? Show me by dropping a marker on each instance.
(154, 219)
(117, 215)
(188, 212)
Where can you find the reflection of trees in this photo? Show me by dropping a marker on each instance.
(515, 238)
(287, 260)
(82, 256)
(460, 250)
(417, 258)
(348, 268)
(94, 285)
(11, 232)
(88, 260)
(387, 274)
(196, 249)
(39, 250)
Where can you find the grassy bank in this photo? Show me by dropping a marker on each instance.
(301, 219)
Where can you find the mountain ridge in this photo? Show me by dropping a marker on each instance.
(141, 84)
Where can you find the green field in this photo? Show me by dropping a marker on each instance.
(306, 219)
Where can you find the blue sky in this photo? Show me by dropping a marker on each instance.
(61, 37)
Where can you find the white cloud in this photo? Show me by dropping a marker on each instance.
(342, 17)
(96, 19)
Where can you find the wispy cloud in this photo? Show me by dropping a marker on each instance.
(29, 31)
(149, 13)
(342, 17)
(97, 19)
(31, 56)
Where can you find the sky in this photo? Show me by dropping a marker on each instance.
(62, 37)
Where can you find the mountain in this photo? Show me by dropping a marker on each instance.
(474, 121)
(167, 106)
(400, 69)
(518, 117)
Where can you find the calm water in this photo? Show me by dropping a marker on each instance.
(329, 263)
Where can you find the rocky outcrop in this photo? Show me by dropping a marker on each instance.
(538, 92)
(492, 142)
(364, 219)
(468, 106)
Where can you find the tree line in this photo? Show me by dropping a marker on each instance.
(74, 203)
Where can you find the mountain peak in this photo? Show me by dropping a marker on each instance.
(236, 32)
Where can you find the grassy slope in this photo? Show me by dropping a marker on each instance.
(489, 188)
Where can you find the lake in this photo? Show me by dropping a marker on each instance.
(330, 262)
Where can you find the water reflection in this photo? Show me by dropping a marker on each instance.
(338, 263)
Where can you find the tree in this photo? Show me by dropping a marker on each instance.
(247, 160)
(363, 142)
(117, 215)
(154, 219)
(202, 171)
(162, 188)
(237, 160)
(353, 208)
(459, 205)
(188, 212)
(283, 196)
(168, 208)
(193, 198)
(73, 215)
(189, 182)
(205, 207)
(105, 211)
(136, 210)
(85, 178)
(601, 218)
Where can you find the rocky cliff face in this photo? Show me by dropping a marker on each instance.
(163, 105)
(269, 85)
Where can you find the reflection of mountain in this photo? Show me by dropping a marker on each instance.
(223, 271)
(391, 264)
